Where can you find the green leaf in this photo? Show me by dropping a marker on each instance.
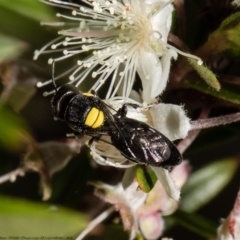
(29, 8)
(109, 231)
(194, 222)
(225, 39)
(230, 22)
(21, 20)
(204, 184)
(10, 48)
(146, 178)
(227, 92)
(206, 74)
(24, 218)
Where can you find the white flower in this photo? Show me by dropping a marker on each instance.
(121, 38)
(126, 201)
(141, 212)
(125, 37)
(236, 3)
(159, 204)
(166, 118)
(230, 227)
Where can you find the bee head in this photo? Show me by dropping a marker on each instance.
(61, 100)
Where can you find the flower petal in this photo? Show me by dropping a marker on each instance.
(162, 20)
(134, 197)
(126, 201)
(236, 3)
(181, 173)
(151, 225)
(166, 64)
(128, 177)
(158, 200)
(169, 186)
(149, 69)
(230, 227)
(170, 120)
(154, 73)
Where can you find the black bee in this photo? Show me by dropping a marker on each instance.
(87, 114)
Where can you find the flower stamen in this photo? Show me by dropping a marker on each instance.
(117, 36)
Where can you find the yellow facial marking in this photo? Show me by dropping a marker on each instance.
(88, 94)
(95, 118)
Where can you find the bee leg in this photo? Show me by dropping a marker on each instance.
(157, 100)
(90, 142)
(79, 134)
(93, 139)
(133, 105)
(122, 112)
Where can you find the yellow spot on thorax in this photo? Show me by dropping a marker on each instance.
(95, 118)
(88, 94)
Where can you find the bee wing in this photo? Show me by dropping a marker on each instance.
(144, 144)
(114, 123)
(140, 143)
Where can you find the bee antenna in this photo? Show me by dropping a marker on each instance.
(53, 78)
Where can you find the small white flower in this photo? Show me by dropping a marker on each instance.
(230, 227)
(159, 204)
(126, 200)
(142, 212)
(236, 3)
(171, 120)
(121, 38)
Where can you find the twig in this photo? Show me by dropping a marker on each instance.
(185, 143)
(11, 176)
(215, 121)
(95, 222)
(181, 20)
(178, 42)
